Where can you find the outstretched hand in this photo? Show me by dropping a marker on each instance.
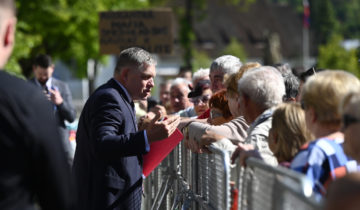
(207, 139)
(160, 129)
(243, 152)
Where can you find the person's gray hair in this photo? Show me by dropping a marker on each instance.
(200, 74)
(263, 85)
(134, 57)
(227, 64)
(292, 83)
(181, 81)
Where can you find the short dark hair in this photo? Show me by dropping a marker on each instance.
(135, 57)
(43, 61)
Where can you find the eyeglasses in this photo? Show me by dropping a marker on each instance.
(197, 100)
(215, 114)
(347, 120)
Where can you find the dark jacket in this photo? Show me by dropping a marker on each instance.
(65, 111)
(32, 161)
(108, 156)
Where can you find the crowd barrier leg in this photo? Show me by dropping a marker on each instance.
(164, 189)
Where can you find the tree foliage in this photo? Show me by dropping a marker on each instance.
(65, 29)
(235, 48)
(334, 56)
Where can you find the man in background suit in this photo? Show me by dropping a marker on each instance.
(33, 166)
(58, 94)
(108, 157)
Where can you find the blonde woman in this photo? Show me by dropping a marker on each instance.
(288, 132)
(323, 160)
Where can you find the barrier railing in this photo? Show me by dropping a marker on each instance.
(265, 187)
(186, 180)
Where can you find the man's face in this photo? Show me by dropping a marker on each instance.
(178, 97)
(352, 133)
(43, 74)
(216, 78)
(139, 83)
(165, 93)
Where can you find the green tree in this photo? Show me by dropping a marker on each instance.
(65, 29)
(235, 48)
(323, 20)
(334, 56)
(200, 60)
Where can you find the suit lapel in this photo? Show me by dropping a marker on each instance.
(126, 97)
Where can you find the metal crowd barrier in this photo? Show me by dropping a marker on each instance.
(262, 187)
(185, 180)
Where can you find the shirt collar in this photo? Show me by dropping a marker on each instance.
(48, 83)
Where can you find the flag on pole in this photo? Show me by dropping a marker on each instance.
(306, 18)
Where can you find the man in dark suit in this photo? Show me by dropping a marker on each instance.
(58, 94)
(108, 156)
(33, 166)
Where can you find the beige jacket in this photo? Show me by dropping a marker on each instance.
(258, 136)
(235, 131)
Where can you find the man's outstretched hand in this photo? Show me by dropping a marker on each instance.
(158, 130)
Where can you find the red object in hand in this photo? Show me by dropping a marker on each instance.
(159, 150)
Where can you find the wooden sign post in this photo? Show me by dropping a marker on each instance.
(151, 30)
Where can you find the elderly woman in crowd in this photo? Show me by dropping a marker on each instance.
(324, 160)
(200, 96)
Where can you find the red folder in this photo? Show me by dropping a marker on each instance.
(159, 150)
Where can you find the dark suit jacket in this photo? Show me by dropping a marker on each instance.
(108, 156)
(32, 161)
(65, 111)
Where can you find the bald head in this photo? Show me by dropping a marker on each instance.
(7, 30)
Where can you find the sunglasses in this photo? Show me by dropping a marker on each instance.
(197, 100)
(347, 120)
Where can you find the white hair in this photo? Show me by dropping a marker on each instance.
(264, 85)
(227, 64)
(181, 81)
(201, 73)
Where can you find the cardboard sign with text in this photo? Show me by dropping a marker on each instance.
(149, 29)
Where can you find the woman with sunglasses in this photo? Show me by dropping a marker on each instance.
(200, 96)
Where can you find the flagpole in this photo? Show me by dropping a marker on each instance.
(306, 25)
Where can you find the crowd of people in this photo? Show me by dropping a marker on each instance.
(308, 123)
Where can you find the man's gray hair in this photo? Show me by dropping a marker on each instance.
(181, 81)
(134, 57)
(291, 82)
(200, 74)
(227, 64)
(264, 85)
